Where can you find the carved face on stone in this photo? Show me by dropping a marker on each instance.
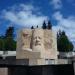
(38, 39)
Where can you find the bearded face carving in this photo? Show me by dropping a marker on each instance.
(38, 40)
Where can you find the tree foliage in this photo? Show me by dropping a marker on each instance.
(9, 32)
(37, 26)
(10, 44)
(32, 27)
(2, 41)
(7, 42)
(49, 26)
(44, 25)
(63, 43)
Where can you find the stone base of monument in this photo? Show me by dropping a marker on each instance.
(3, 71)
(36, 61)
(36, 58)
(41, 70)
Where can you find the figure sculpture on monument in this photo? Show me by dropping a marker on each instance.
(38, 40)
(36, 45)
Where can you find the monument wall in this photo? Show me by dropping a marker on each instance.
(36, 45)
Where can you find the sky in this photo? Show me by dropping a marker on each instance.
(25, 13)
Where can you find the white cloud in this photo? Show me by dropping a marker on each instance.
(57, 16)
(66, 24)
(24, 15)
(57, 4)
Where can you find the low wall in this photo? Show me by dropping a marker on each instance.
(41, 70)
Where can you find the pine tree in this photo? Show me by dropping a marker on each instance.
(1, 42)
(44, 25)
(63, 33)
(9, 32)
(37, 26)
(49, 26)
(63, 43)
(10, 44)
(32, 27)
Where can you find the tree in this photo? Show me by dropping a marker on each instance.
(63, 43)
(37, 26)
(2, 43)
(70, 46)
(32, 27)
(9, 32)
(10, 43)
(44, 25)
(7, 41)
(49, 25)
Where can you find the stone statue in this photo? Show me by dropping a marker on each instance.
(36, 45)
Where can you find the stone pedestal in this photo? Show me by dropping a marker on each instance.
(3, 71)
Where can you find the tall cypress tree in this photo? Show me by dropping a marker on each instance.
(63, 43)
(37, 26)
(2, 41)
(10, 44)
(44, 25)
(32, 27)
(49, 26)
(9, 32)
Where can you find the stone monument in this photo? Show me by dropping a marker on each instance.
(37, 45)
